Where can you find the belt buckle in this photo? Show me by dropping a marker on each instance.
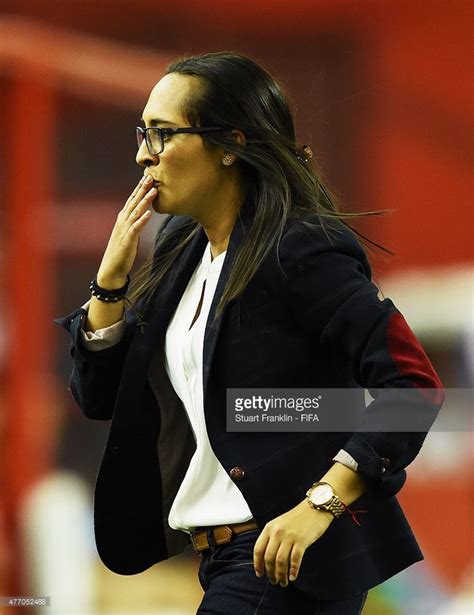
(229, 536)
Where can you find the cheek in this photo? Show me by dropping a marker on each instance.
(192, 173)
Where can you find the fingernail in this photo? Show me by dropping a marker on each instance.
(292, 577)
(258, 574)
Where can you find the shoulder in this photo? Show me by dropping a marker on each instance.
(312, 235)
(308, 238)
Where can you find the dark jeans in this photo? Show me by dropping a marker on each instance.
(227, 576)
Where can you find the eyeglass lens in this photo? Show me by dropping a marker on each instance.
(154, 140)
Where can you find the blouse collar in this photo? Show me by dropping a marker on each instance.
(214, 265)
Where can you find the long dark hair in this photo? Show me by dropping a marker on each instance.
(282, 181)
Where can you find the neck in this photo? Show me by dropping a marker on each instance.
(218, 232)
(219, 223)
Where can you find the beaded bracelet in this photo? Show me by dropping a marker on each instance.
(109, 296)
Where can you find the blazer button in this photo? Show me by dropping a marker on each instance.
(237, 473)
(385, 462)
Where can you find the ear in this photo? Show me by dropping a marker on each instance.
(238, 137)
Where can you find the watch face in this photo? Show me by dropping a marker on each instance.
(321, 494)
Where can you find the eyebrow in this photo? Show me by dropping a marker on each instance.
(156, 121)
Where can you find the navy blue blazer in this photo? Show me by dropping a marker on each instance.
(313, 319)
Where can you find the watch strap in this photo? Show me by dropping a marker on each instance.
(335, 506)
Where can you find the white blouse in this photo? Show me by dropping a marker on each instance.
(207, 495)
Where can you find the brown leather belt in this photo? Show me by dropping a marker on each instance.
(221, 533)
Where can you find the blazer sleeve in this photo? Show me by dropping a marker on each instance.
(331, 294)
(96, 374)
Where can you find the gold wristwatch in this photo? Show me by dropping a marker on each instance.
(321, 496)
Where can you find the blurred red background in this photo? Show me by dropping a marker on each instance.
(383, 94)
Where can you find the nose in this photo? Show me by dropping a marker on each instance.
(144, 158)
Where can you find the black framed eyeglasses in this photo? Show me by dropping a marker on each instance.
(155, 137)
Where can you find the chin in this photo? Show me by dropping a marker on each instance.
(162, 208)
(157, 205)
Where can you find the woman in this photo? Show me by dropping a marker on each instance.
(255, 281)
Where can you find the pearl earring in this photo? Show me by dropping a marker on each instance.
(227, 160)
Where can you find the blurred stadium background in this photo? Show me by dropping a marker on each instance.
(383, 93)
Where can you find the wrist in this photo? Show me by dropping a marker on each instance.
(312, 512)
(110, 282)
(323, 514)
(322, 497)
(109, 295)
(348, 483)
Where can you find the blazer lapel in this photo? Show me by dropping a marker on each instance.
(172, 288)
(175, 282)
(213, 327)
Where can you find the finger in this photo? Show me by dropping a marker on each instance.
(259, 553)
(282, 561)
(137, 187)
(141, 205)
(139, 194)
(296, 557)
(143, 186)
(140, 223)
(269, 559)
(134, 192)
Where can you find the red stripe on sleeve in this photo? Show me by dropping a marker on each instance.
(410, 358)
